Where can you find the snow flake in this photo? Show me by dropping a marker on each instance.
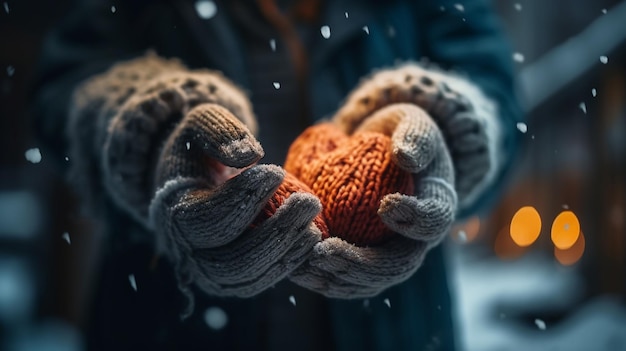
(10, 70)
(276, 85)
(206, 9)
(462, 235)
(346, 14)
(522, 127)
(325, 30)
(387, 302)
(188, 145)
(583, 107)
(6, 7)
(518, 57)
(366, 29)
(215, 318)
(292, 299)
(273, 44)
(391, 31)
(604, 59)
(113, 9)
(518, 6)
(133, 282)
(603, 11)
(67, 159)
(33, 155)
(66, 237)
(594, 92)
(540, 324)
(366, 303)
(459, 7)
(565, 206)
(442, 8)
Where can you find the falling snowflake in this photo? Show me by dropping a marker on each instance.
(540, 324)
(594, 92)
(603, 11)
(346, 14)
(604, 59)
(366, 29)
(215, 318)
(442, 8)
(10, 70)
(366, 303)
(565, 206)
(113, 9)
(387, 302)
(462, 235)
(459, 7)
(522, 127)
(67, 159)
(438, 307)
(325, 30)
(276, 85)
(33, 155)
(133, 282)
(6, 7)
(518, 6)
(583, 107)
(188, 145)
(292, 299)
(273, 44)
(66, 237)
(518, 57)
(391, 31)
(206, 9)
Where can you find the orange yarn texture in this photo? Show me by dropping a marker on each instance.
(350, 175)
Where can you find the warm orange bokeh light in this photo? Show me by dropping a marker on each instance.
(573, 254)
(525, 226)
(565, 230)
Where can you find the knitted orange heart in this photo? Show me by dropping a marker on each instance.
(350, 175)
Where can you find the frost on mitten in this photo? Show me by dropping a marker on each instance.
(350, 175)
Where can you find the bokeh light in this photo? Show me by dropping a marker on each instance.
(565, 230)
(525, 226)
(572, 255)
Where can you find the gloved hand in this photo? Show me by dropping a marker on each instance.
(465, 116)
(337, 268)
(171, 149)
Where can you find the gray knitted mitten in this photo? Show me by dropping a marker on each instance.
(466, 117)
(168, 146)
(340, 269)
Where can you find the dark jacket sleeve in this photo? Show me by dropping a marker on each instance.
(467, 37)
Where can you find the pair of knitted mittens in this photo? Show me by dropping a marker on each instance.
(175, 149)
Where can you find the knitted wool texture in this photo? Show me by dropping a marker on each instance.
(350, 175)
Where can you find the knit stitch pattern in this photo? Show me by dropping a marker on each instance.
(350, 175)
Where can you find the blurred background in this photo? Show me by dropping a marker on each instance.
(544, 270)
